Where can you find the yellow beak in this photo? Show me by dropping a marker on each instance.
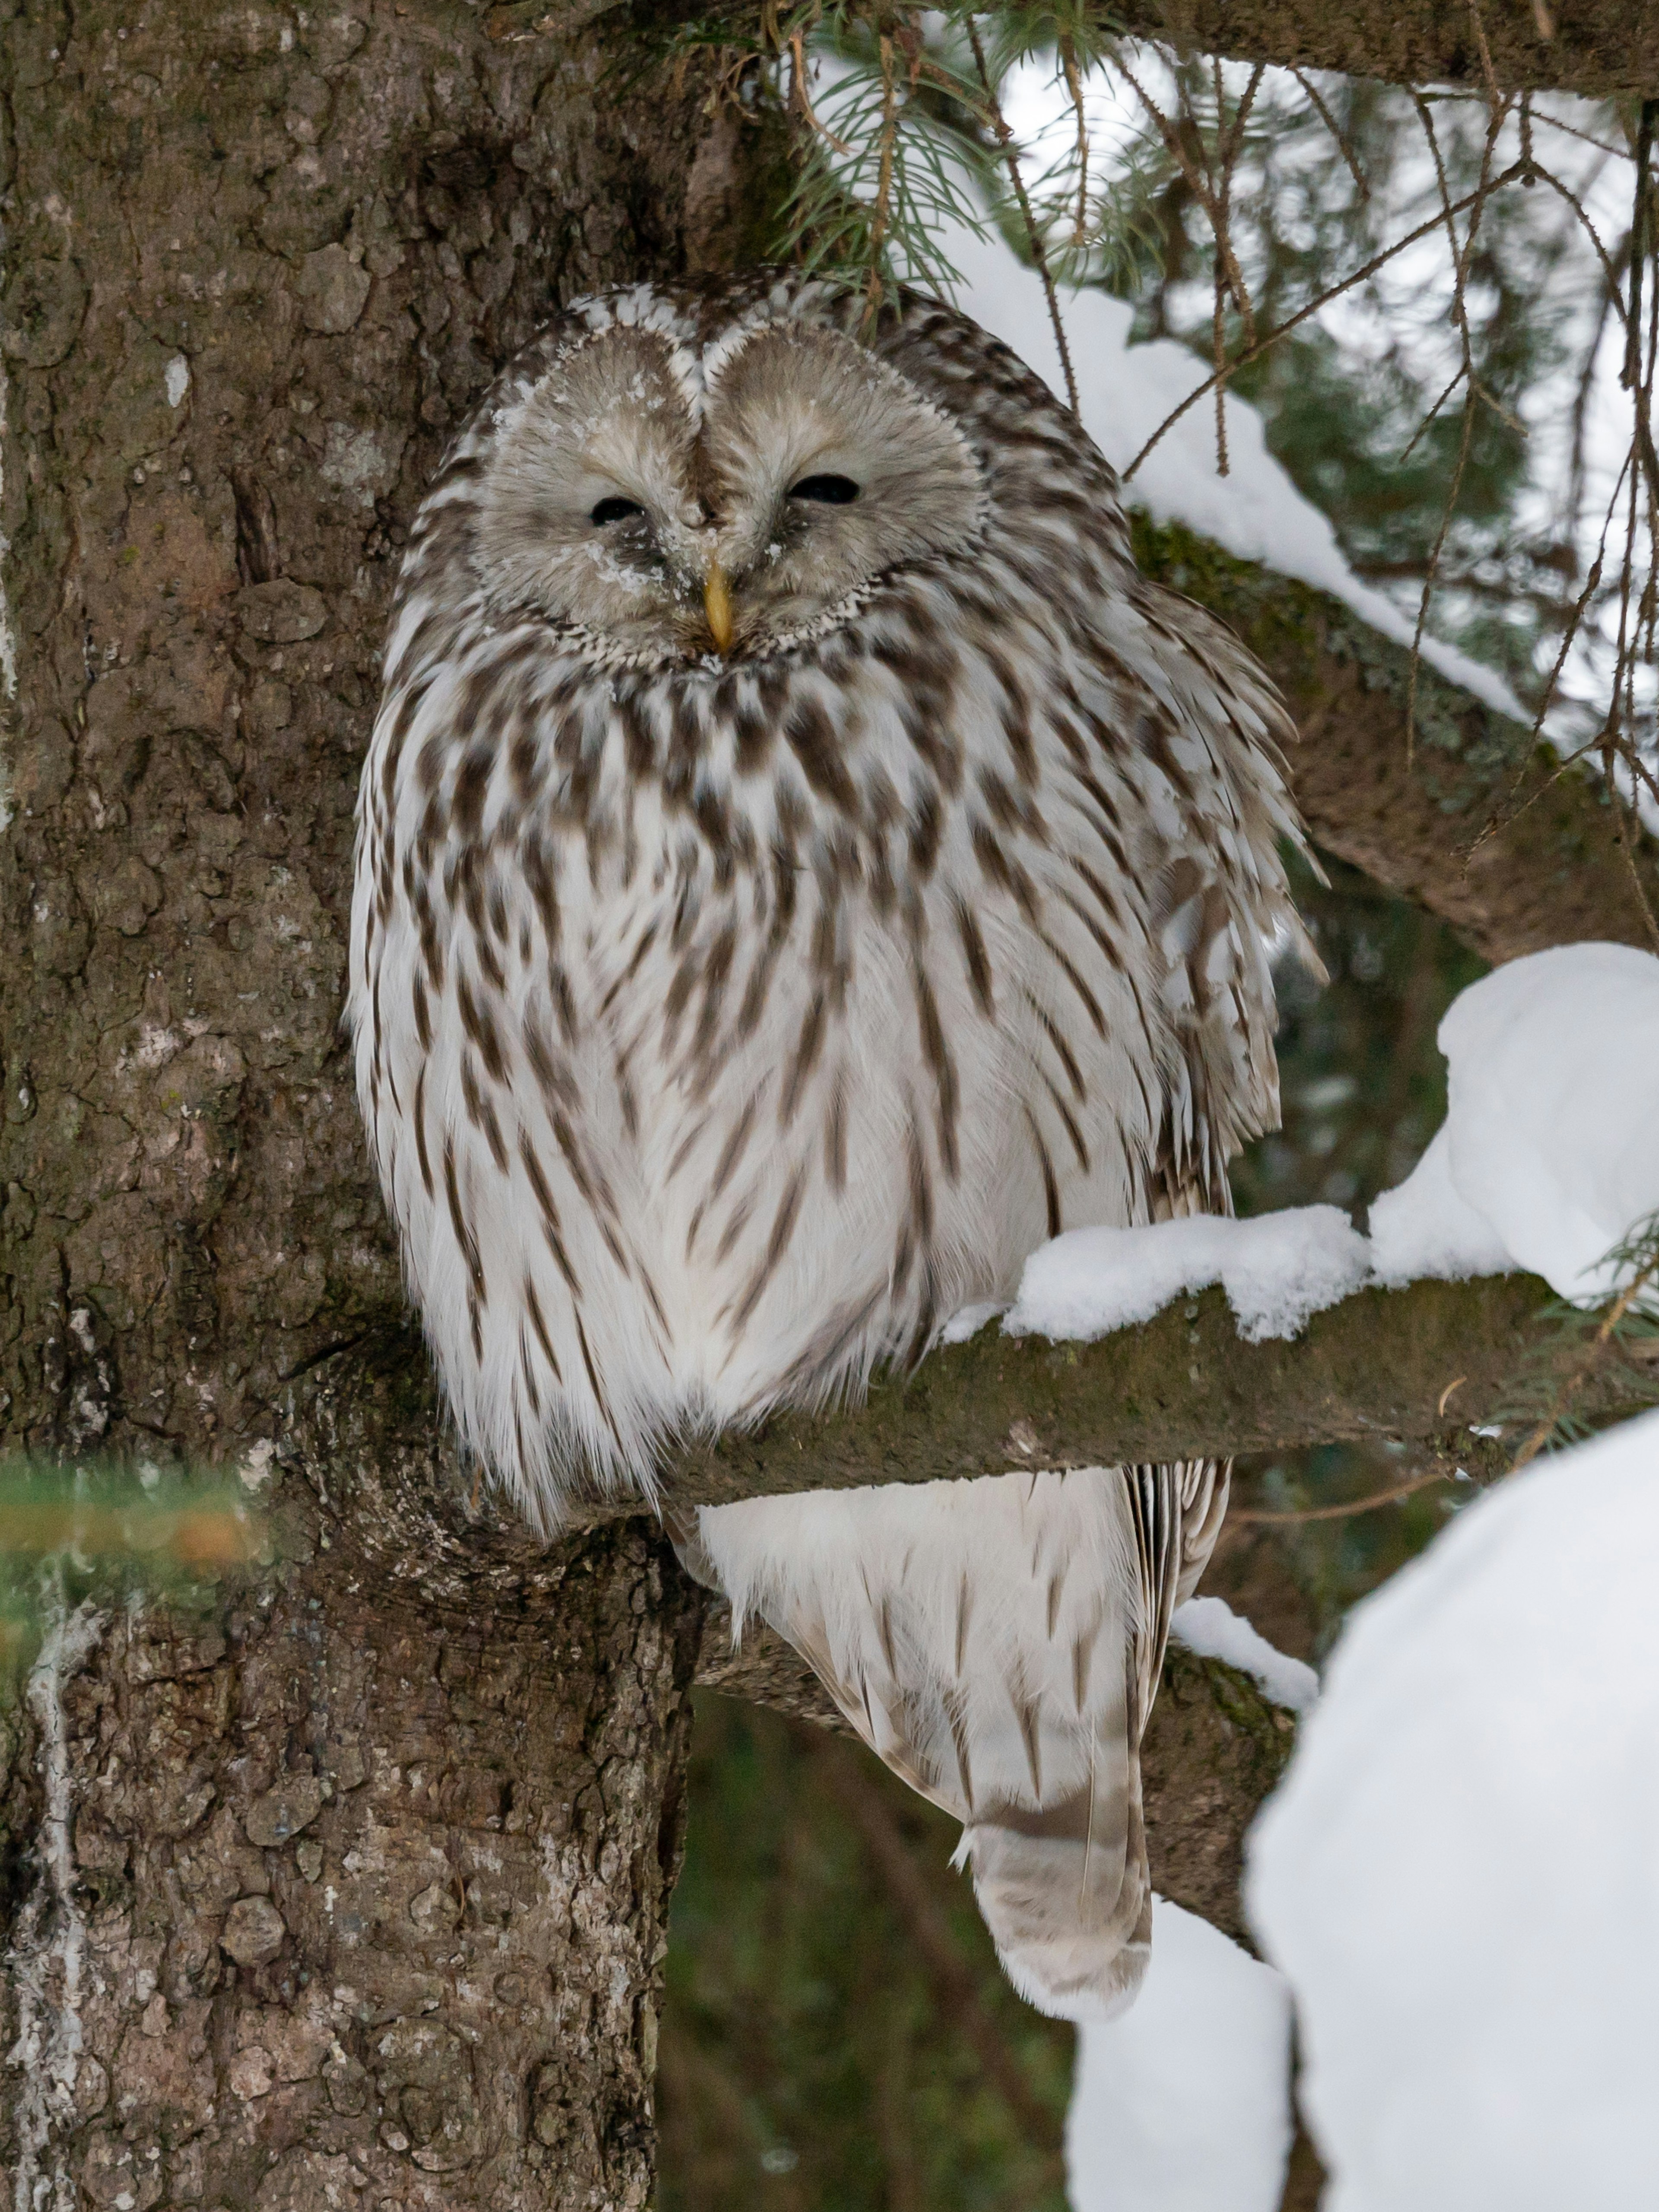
(717, 605)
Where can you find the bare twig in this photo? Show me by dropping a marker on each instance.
(1361, 185)
(1347, 1508)
(1074, 87)
(798, 85)
(1004, 139)
(1460, 253)
(884, 176)
(1309, 308)
(1580, 1374)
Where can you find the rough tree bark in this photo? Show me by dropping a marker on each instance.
(357, 1896)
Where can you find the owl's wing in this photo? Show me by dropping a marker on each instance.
(997, 1644)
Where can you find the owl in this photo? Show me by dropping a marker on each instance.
(802, 866)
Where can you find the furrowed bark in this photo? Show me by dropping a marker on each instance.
(1596, 47)
(357, 1893)
(368, 1868)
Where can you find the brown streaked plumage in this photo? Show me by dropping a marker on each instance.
(802, 865)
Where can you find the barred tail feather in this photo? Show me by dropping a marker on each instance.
(991, 1641)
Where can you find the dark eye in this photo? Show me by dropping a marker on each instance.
(615, 510)
(833, 491)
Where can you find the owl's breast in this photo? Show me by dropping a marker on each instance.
(720, 1036)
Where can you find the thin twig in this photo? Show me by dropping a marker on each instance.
(1412, 442)
(798, 85)
(1575, 1382)
(1312, 308)
(1336, 131)
(1004, 139)
(1201, 185)
(1075, 87)
(1460, 253)
(884, 179)
(1485, 52)
(1349, 1507)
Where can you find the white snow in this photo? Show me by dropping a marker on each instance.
(1276, 1268)
(969, 1322)
(1209, 1626)
(176, 379)
(1424, 1226)
(1550, 1152)
(1182, 2104)
(1125, 392)
(1459, 1875)
(1548, 1158)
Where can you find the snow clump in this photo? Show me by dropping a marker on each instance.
(1458, 1873)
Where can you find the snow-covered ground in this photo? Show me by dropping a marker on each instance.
(1459, 1875)
(1182, 2104)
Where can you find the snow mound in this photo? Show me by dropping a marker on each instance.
(1458, 1873)
(1424, 1226)
(1547, 1159)
(1276, 1269)
(1209, 1626)
(1548, 1156)
(1182, 2104)
(1124, 391)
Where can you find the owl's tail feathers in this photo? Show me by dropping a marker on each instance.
(1069, 1909)
(986, 1639)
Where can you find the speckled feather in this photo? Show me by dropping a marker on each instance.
(726, 1023)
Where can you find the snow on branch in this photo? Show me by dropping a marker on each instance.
(1412, 1363)
(1217, 1336)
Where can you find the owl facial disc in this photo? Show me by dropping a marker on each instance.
(665, 508)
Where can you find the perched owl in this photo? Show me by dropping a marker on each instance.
(802, 866)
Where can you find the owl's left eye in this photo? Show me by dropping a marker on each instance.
(615, 510)
(832, 491)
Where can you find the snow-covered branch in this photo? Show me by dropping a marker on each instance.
(1476, 822)
(1412, 1363)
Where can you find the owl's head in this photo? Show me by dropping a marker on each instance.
(667, 496)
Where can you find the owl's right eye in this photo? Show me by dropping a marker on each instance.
(615, 510)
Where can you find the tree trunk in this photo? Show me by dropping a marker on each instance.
(354, 1896)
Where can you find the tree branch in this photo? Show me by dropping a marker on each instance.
(1480, 823)
(1598, 47)
(1414, 1362)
